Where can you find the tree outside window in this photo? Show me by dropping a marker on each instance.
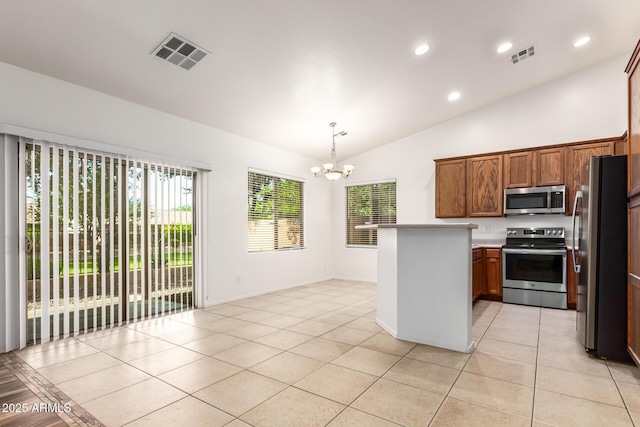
(369, 204)
(275, 213)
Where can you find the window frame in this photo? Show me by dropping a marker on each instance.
(372, 233)
(278, 177)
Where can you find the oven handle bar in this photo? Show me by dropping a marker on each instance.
(576, 267)
(534, 251)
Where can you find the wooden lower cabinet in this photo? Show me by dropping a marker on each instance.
(486, 274)
(572, 283)
(493, 263)
(633, 281)
(478, 276)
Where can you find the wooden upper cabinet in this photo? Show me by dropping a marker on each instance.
(633, 132)
(548, 167)
(535, 168)
(450, 188)
(472, 186)
(577, 156)
(620, 146)
(517, 169)
(484, 186)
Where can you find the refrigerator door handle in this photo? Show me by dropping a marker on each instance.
(576, 267)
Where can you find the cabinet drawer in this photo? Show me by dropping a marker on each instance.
(493, 252)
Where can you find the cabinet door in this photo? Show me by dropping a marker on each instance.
(633, 133)
(484, 186)
(517, 169)
(478, 282)
(450, 188)
(548, 167)
(633, 150)
(493, 259)
(620, 146)
(578, 155)
(633, 281)
(572, 280)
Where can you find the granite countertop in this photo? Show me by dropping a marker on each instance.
(487, 243)
(443, 225)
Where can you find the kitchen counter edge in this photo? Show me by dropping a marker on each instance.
(451, 225)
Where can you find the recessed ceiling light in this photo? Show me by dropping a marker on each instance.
(581, 41)
(504, 47)
(421, 50)
(454, 96)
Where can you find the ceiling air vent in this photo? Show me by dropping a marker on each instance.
(179, 51)
(523, 54)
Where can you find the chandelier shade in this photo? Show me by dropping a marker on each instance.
(331, 170)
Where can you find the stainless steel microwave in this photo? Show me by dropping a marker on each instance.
(534, 200)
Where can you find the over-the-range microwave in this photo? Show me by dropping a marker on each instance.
(534, 200)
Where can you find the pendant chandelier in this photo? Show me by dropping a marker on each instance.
(331, 171)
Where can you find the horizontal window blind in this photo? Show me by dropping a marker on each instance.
(109, 239)
(275, 213)
(373, 203)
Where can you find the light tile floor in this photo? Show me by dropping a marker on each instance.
(314, 356)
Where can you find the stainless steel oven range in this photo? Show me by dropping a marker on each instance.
(534, 267)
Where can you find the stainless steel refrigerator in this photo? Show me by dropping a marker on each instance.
(600, 241)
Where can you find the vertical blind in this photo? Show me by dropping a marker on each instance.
(275, 213)
(369, 204)
(109, 239)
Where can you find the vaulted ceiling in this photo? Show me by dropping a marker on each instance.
(280, 70)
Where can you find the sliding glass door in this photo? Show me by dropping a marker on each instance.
(109, 239)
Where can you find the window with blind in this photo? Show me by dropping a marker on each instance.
(369, 204)
(275, 213)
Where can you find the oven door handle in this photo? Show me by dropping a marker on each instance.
(576, 267)
(535, 251)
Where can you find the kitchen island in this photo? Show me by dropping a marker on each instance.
(424, 283)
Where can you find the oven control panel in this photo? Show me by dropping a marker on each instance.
(535, 233)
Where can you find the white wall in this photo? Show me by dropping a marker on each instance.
(588, 104)
(585, 105)
(39, 102)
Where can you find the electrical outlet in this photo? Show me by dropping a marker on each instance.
(487, 229)
(238, 279)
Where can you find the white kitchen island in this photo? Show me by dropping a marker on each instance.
(424, 283)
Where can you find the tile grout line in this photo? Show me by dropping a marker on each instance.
(624, 402)
(462, 369)
(535, 375)
(576, 372)
(243, 369)
(52, 395)
(325, 363)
